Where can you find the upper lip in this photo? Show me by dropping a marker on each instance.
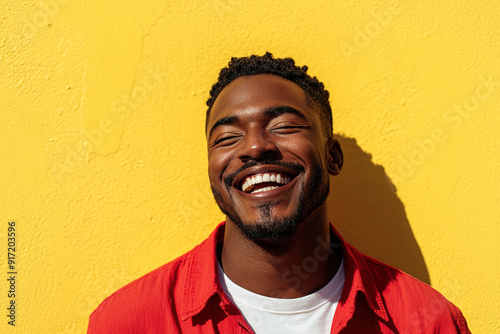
(261, 169)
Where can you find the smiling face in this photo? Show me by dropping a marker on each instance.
(268, 159)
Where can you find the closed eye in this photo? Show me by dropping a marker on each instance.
(291, 127)
(228, 140)
(286, 129)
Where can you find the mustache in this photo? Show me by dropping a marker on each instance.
(228, 180)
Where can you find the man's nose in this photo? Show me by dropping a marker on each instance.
(257, 146)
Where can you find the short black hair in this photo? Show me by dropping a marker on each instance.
(315, 91)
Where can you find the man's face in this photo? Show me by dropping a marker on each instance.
(267, 156)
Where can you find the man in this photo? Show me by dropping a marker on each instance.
(276, 265)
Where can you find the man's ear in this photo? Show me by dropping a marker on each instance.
(335, 157)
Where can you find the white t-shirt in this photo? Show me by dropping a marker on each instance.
(309, 314)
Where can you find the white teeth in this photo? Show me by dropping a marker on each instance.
(266, 177)
(264, 189)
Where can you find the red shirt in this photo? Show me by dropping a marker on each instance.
(184, 296)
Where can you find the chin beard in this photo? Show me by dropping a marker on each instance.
(269, 228)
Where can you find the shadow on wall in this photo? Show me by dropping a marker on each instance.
(365, 208)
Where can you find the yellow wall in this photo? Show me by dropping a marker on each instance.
(103, 161)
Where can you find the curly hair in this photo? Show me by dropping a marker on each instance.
(315, 91)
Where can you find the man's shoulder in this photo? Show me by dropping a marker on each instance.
(390, 280)
(386, 276)
(151, 285)
(411, 301)
(145, 300)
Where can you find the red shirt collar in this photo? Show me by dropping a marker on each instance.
(202, 282)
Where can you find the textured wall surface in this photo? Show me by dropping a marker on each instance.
(103, 156)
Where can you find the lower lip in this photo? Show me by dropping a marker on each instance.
(269, 194)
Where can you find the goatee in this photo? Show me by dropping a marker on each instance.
(278, 229)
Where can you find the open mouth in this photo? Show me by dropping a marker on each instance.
(261, 182)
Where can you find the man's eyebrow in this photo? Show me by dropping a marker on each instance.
(274, 112)
(223, 121)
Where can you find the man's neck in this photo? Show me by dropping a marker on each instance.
(290, 269)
